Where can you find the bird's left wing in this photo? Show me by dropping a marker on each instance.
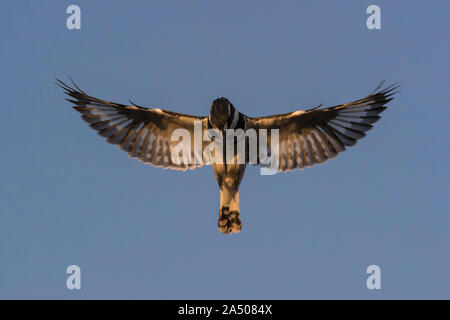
(141, 132)
(313, 136)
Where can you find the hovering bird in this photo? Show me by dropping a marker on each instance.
(306, 137)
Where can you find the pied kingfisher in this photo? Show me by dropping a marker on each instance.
(306, 137)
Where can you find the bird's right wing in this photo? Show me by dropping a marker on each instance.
(141, 132)
(316, 135)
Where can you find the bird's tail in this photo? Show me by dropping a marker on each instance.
(229, 219)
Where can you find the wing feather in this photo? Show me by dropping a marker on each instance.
(141, 132)
(316, 135)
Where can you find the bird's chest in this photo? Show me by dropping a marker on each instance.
(228, 174)
(227, 169)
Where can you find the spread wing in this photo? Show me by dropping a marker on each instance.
(141, 132)
(313, 136)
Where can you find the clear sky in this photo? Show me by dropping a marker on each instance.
(68, 197)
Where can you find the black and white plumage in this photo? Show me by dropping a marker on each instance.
(306, 137)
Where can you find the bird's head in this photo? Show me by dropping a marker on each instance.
(221, 109)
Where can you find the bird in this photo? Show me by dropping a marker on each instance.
(305, 137)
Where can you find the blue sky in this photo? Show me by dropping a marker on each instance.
(67, 197)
